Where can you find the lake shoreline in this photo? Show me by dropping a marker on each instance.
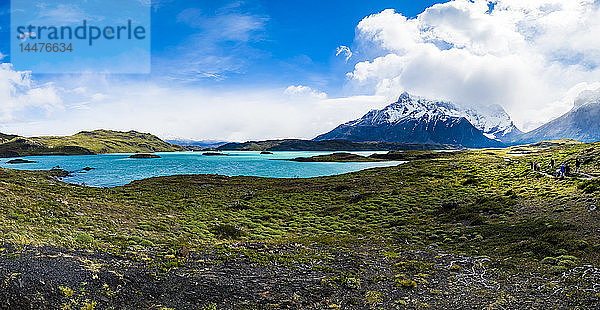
(119, 169)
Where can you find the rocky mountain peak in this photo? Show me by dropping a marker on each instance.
(405, 96)
(587, 97)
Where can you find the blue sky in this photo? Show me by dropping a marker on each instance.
(271, 42)
(295, 42)
(258, 69)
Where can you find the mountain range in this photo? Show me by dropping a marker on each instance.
(414, 119)
(581, 123)
(197, 143)
(410, 123)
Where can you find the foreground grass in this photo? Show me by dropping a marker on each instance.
(476, 202)
(470, 203)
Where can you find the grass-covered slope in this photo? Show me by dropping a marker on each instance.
(5, 137)
(461, 230)
(27, 147)
(83, 143)
(108, 141)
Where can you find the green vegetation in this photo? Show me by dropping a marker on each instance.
(418, 232)
(84, 143)
(474, 202)
(392, 155)
(327, 145)
(335, 157)
(5, 137)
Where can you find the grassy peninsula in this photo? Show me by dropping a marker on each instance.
(84, 143)
(466, 228)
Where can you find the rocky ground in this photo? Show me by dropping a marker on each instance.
(286, 276)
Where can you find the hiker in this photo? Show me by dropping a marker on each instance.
(562, 170)
(577, 165)
(552, 163)
(567, 170)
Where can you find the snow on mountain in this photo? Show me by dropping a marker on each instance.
(418, 120)
(493, 122)
(580, 123)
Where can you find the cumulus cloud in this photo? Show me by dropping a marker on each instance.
(18, 94)
(304, 91)
(531, 57)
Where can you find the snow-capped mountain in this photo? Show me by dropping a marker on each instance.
(418, 120)
(493, 121)
(580, 123)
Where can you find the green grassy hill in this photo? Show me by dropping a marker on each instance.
(5, 137)
(84, 143)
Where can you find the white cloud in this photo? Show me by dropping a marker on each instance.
(304, 91)
(220, 46)
(345, 51)
(528, 56)
(197, 113)
(18, 93)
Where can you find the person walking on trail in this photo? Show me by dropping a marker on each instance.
(562, 170)
(551, 163)
(567, 170)
(577, 165)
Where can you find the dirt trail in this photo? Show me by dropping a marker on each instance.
(580, 176)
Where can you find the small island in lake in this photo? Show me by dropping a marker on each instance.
(214, 154)
(20, 161)
(144, 156)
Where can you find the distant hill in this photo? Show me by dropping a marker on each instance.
(327, 145)
(197, 143)
(6, 138)
(84, 143)
(418, 120)
(580, 123)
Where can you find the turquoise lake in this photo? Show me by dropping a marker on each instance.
(118, 169)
